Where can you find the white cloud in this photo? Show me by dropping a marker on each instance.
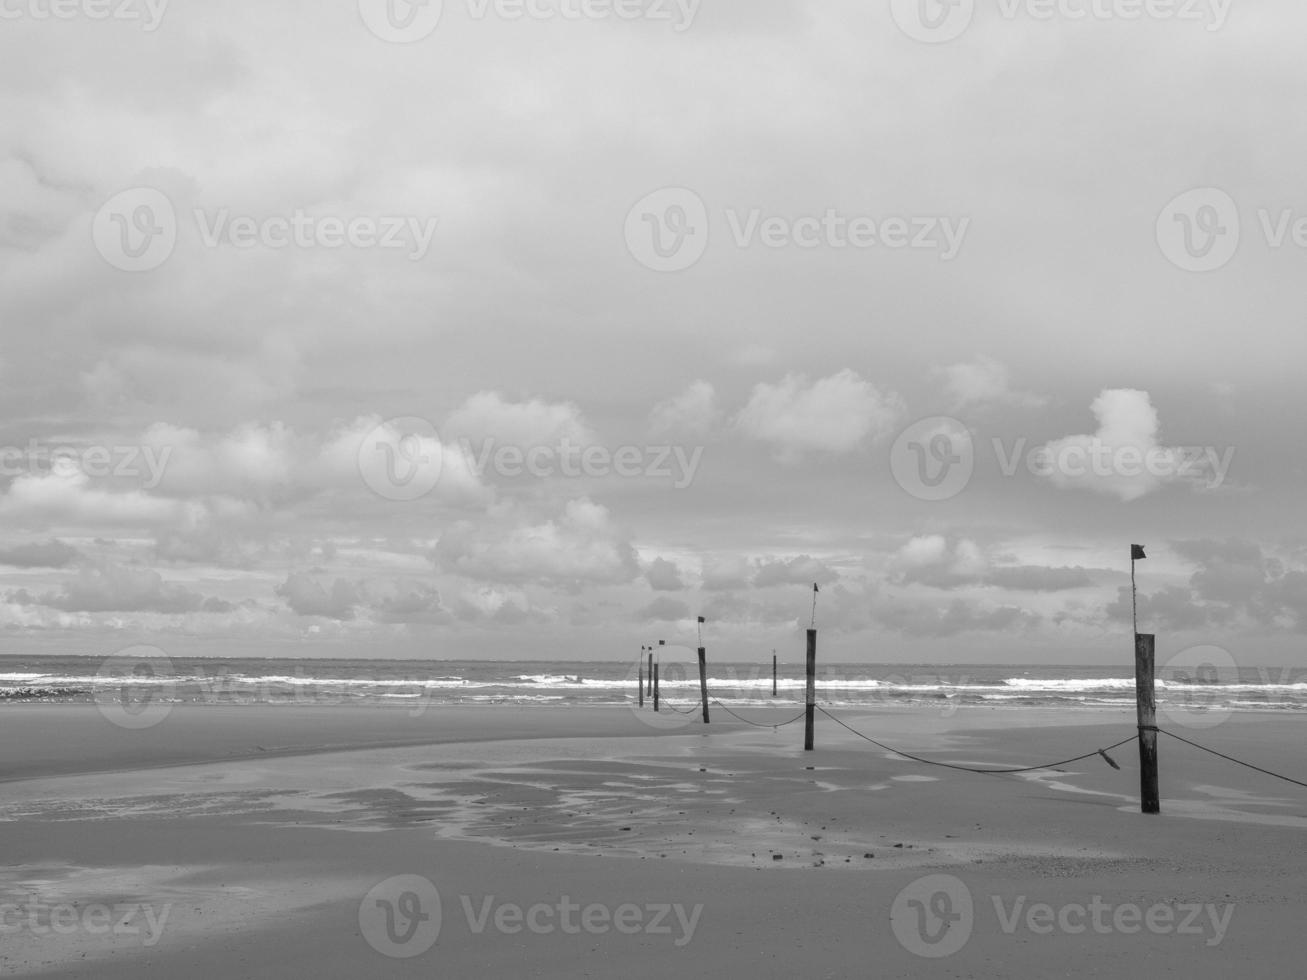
(1122, 458)
(524, 424)
(693, 411)
(832, 415)
(983, 381)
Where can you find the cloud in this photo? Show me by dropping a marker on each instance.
(694, 411)
(833, 415)
(1122, 458)
(307, 597)
(933, 560)
(44, 554)
(1038, 578)
(983, 381)
(664, 609)
(523, 424)
(664, 576)
(934, 619)
(803, 570)
(109, 587)
(582, 545)
(724, 573)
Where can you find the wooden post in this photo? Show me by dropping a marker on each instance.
(703, 682)
(773, 673)
(1146, 709)
(649, 676)
(640, 685)
(811, 714)
(655, 686)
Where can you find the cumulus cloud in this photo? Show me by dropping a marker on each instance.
(832, 415)
(933, 619)
(1123, 458)
(934, 560)
(488, 415)
(694, 412)
(664, 576)
(582, 545)
(307, 597)
(982, 381)
(664, 609)
(802, 570)
(725, 572)
(108, 587)
(40, 554)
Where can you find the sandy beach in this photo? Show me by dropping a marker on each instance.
(244, 842)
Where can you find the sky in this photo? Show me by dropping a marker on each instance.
(537, 330)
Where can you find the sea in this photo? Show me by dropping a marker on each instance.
(300, 681)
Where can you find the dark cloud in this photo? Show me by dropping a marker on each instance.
(44, 554)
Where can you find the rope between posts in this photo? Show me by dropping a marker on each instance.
(1229, 758)
(950, 765)
(691, 711)
(758, 724)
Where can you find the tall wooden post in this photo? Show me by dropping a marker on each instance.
(1146, 709)
(655, 686)
(640, 683)
(773, 673)
(811, 713)
(649, 675)
(703, 682)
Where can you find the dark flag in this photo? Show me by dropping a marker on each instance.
(1137, 552)
(814, 587)
(702, 620)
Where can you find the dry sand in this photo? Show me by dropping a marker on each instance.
(242, 842)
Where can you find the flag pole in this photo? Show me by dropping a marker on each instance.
(1134, 596)
(813, 623)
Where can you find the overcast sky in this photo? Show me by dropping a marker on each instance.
(362, 332)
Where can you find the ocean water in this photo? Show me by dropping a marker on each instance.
(432, 682)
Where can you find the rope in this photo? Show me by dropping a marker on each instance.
(1238, 762)
(949, 765)
(692, 711)
(758, 724)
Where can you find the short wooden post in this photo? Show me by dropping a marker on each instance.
(773, 673)
(655, 686)
(703, 682)
(811, 713)
(1146, 709)
(640, 684)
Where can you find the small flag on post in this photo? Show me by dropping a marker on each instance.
(702, 620)
(815, 590)
(1136, 553)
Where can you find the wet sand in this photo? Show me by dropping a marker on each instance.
(246, 839)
